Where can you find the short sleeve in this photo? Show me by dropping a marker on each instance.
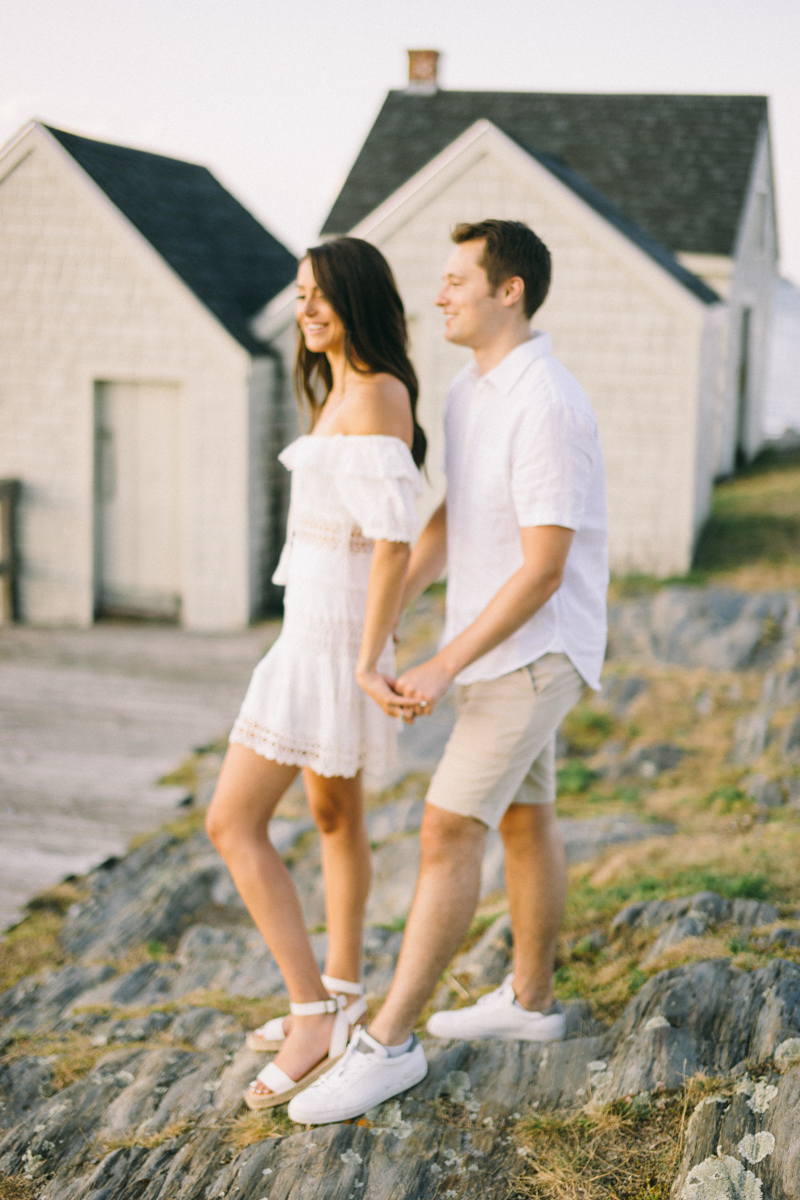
(378, 483)
(552, 464)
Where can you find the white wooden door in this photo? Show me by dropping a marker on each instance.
(137, 498)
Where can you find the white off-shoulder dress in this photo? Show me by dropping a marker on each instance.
(303, 705)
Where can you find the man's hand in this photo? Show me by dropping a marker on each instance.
(425, 684)
(383, 692)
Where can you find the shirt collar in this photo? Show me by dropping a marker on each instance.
(508, 371)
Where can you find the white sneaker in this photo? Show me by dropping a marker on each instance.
(500, 1015)
(364, 1077)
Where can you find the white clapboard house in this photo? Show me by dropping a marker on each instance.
(658, 210)
(136, 404)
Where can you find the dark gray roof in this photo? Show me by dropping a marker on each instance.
(678, 167)
(617, 218)
(215, 245)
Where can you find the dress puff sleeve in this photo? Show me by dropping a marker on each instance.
(378, 483)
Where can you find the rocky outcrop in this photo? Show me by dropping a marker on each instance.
(710, 627)
(453, 1132)
(153, 1109)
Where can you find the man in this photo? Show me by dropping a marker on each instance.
(523, 532)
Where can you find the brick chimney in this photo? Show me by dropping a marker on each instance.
(423, 67)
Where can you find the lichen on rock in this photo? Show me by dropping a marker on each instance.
(721, 1179)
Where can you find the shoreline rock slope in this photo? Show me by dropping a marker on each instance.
(122, 1067)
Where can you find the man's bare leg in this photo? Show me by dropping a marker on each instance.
(451, 853)
(536, 880)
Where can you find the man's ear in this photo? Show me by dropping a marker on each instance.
(512, 291)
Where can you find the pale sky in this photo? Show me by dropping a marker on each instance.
(276, 98)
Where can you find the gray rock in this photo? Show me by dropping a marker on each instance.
(790, 743)
(750, 913)
(782, 689)
(148, 896)
(585, 839)
(650, 914)
(284, 833)
(206, 1029)
(381, 948)
(620, 691)
(488, 962)
(648, 761)
(712, 627)
(766, 793)
(37, 1004)
(714, 906)
(750, 737)
(758, 1145)
(24, 1085)
(693, 925)
(404, 816)
(706, 1016)
(784, 936)
(139, 1029)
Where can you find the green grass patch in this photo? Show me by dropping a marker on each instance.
(574, 778)
(585, 729)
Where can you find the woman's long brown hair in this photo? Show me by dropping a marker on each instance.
(357, 282)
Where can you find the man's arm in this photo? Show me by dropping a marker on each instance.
(428, 557)
(544, 549)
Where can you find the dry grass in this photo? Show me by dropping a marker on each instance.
(624, 1151)
(249, 1013)
(73, 1054)
(760, 863)
(253, 1127)
(30, 948)
(599, 1154)
(19, 1187)
(149, 1141)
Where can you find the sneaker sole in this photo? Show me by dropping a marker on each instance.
(496, 1036)
(346, 1113)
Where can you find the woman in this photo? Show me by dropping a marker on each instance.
(322, 698)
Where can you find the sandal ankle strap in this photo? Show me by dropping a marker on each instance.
(342, 985)
(315, 1008)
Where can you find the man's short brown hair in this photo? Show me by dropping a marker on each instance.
(511, 249)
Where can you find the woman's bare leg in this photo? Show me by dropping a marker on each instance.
(248, 789)
(337, 806)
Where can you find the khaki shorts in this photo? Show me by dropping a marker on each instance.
(503, 746)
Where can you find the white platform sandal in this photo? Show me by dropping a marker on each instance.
(271, 1036)
(282, 1086)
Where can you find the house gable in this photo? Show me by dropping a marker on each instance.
(677, 166)
(217, 248)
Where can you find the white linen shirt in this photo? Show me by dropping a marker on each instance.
(522, 449)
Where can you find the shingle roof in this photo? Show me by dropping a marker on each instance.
(617, 218)
(677, 166)
(215, 245)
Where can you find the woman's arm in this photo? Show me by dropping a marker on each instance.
(428, 558)
(386, 575)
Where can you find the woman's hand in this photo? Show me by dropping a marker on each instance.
(382, 691)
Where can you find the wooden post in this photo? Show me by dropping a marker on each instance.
(9, 556)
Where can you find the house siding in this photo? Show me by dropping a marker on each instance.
(85, 298)
(751, 287)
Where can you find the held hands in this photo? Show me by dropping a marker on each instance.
(425, 685)
(383, 692)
